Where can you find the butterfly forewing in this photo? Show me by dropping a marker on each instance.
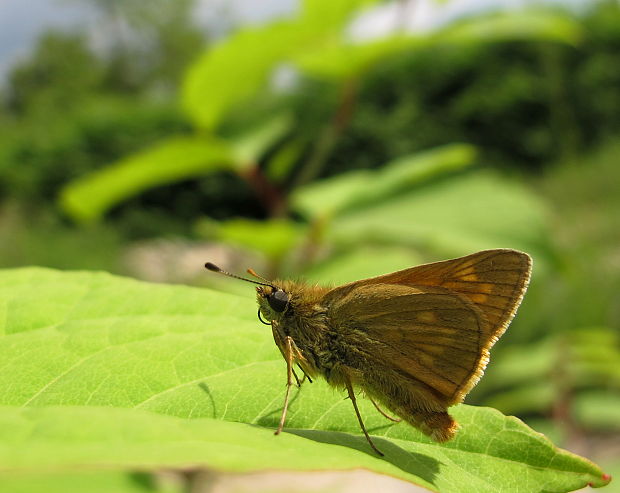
(436, 322)
(494, 280)
(425, 334)
(428, 336)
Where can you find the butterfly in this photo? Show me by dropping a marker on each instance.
(415, 341)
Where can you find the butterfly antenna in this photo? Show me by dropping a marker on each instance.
(214, 268)
(252, 272)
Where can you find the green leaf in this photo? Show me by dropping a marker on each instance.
(344, 58)
(88, 198)
(526, 25)
(523, 364)
(100, 371)
(598, 410)
(238, 67)
(274, 238)
(459, 215)
(536, 398)
(83, 481)
(355, 189)
(594, 356)
(249, 147)
(361, 263)
(280, 165)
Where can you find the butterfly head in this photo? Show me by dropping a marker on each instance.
(272, 302)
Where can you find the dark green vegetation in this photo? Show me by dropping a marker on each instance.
(496, 131)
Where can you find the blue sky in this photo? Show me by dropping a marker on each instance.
(22, 21)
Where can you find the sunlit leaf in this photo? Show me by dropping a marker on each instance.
(274, 238)
(454, 216)
(522, 364)
(359, 188)
(105, 372)
(249, 147)
(281, 164)
(345, 58)
(526, 25)
(240, 65)
(181, 158)
(88, 198)
(361, 263)
(537, 397)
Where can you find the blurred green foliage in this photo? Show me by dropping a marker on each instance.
(525, 103)
(38, 156)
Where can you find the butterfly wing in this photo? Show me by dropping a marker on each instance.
(494, 281)
(428, 337)
(419, 339)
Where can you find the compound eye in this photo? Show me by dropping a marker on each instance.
(278, 300)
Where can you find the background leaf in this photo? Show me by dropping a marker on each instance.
(492, 212)
(249, 56)
(174, 159)
(346, 58)
(366, 187)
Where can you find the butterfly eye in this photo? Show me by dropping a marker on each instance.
(278, 300)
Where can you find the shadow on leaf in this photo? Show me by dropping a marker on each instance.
(271, 418)
(419, 465)
(207, 391)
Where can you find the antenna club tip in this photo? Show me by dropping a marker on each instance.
(212, 267)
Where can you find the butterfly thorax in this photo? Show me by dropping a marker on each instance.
(303, 318)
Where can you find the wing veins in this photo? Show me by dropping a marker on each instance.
(456, 279)
(420, 362)
(428, 324)
(467, 260)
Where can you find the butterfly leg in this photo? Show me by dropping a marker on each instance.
(299, 382)
(359, 417)
(288, 356)
(305, 374)
(396, 420)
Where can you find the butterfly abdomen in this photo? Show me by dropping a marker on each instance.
(440, 426)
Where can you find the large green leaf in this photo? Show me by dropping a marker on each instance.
(526, 378)
(315, 41)
(457, 215)
(361, 263)
(100, 371)
(274, 238)
(345, 58)
(354, 189)
(239, 66)
(172, 160)
(535, 24)
(169, 161)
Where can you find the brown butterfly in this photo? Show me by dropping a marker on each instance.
(416, 340)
